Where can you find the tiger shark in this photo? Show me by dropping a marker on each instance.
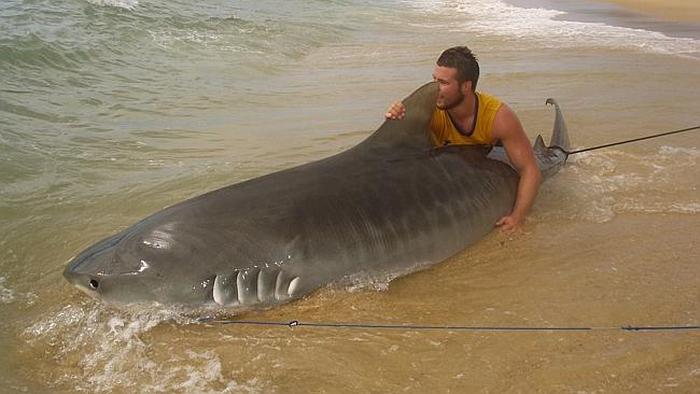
(389, 204)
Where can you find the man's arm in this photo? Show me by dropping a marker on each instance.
(507, 128)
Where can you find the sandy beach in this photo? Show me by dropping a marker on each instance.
(674, 10)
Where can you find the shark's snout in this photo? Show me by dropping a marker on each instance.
(135, 266)
(88, 270)
(97, 277)
(89, 284)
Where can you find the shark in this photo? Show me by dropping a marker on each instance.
(389, 204)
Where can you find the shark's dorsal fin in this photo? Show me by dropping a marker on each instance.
(411, 132)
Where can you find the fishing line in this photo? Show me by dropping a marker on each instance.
(413, 327)
(626, 141)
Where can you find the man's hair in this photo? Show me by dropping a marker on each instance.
(462, 59)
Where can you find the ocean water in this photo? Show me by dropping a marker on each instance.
(113, 109)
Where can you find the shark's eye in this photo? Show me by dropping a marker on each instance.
(94, 284)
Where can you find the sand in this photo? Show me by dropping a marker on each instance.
(674, 10)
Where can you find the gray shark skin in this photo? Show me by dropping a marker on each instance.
(390, 203)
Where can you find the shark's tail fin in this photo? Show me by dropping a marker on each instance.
(551, 158)
(560, 136)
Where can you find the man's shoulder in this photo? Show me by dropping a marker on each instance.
(488, 97)
(506, 122)
(489, 105)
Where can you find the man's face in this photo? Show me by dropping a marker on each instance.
(450, 91)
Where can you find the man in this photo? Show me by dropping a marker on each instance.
(464, 116)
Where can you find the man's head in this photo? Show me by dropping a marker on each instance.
(457, 72)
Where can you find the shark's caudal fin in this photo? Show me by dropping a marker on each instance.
(560, 136)
(411, 132)
(551, 158)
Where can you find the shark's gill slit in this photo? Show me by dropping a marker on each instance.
(248, 286)
(293, 286)
(280, 293)
(240, 286)
(259, 286)
(225, 291)
(266, 285)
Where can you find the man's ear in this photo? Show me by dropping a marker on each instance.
(466, 87)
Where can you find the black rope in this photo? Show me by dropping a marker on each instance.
(626, 142)
(660, 328)
(412, 327)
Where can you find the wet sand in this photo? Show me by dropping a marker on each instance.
(674, 10)
(633, 14)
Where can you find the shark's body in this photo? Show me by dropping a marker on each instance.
(388, 204)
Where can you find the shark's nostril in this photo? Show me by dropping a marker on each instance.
(94, 284)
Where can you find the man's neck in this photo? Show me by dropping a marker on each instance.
(466, 110)
(464, 115)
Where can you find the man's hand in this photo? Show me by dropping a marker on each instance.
(396, 111)
(510, 223)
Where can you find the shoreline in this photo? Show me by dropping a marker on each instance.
(679, 19)
(669, 10)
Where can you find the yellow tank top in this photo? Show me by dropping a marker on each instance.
(443, 132)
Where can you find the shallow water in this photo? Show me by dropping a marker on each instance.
(112, 110)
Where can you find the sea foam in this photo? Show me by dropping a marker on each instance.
(597, 186)
(125, 4)
(541, 28)
(113, 354)
(6, 295)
